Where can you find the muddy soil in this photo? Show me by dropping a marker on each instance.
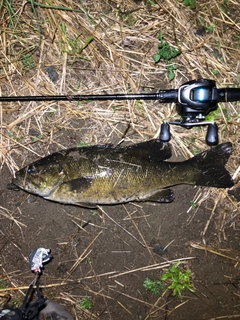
(105, 261)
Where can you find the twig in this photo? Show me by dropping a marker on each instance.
(100, 208)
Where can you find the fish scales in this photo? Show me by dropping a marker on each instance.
(111, 176)
(104, 174)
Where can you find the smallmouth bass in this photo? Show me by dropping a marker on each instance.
(107, 174)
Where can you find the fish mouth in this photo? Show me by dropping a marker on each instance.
(15, 183)
(13, 186)
(24, 185)
(17, 186)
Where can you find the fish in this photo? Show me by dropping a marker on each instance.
(106, 174)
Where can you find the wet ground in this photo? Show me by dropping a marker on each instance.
(108, 259)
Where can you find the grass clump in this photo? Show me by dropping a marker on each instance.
(86, 303)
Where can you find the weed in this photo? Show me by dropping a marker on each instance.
(152, 3)
(72, 45)
(51, 114)
(16, 303)
(193, 204)
(165, 51)
(195, 151)
(82, 143)
(115, 108)
(155, 286)
(213, 115)
(174, 279)
(215, 72)
(171, 67)
(208, 28)
(224, 6)
(2, 284)
(28, 62)
(126, 17)
(189, 3)
(238, 78)
(179, 280)
(38, 138)
(13, 135)
(139, 106)
(87, 260)
(86, 303)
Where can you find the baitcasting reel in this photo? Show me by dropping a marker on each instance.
(194, 100)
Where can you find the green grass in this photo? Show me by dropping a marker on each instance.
(82, 143)
(28, 62)
(215, 114)
(72, 45)
(152, 3)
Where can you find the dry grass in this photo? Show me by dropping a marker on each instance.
(108, 47)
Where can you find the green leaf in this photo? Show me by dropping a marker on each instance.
(160, 36)
(155, 286)
(165, 51)
(190, 3)
(86, 303)
(157, 58)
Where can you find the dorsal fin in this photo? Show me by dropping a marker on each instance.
(150, 149)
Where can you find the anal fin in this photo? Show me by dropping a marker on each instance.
(164, 195)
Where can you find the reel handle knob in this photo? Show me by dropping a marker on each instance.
(165, 134)
(212, 134)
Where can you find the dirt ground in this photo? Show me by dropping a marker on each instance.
(106, 260)
(108, 47)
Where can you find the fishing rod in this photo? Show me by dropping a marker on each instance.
(194, 100)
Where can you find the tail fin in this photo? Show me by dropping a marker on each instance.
(211, 164)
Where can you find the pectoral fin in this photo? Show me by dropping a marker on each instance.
(79, 185)
(164, 195)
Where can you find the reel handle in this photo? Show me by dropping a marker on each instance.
(165, 135)
(212, 134)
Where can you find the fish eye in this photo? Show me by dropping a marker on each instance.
(31, 170)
